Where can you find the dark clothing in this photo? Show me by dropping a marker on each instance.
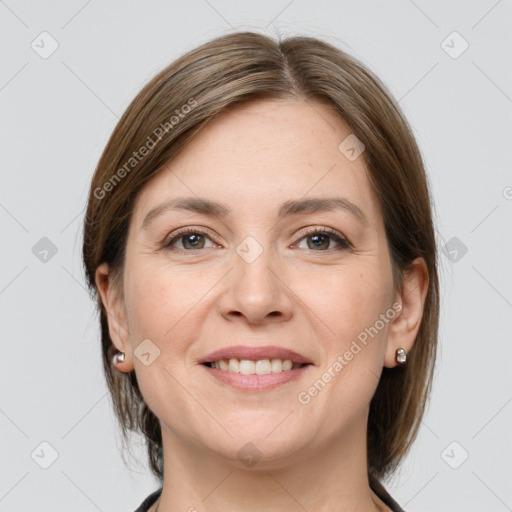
(375, 485)
(144, 506)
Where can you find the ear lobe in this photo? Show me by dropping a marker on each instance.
(113, 303)
(405, 326)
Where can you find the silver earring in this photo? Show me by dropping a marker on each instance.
(118, 358)
(401, 357)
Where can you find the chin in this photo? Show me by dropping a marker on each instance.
(261, 445)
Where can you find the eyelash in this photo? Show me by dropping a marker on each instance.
(344, 244)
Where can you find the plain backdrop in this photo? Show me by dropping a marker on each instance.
(69, 69)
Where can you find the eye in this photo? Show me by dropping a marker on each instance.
(190, 239)
(317, 239)
(321, 240)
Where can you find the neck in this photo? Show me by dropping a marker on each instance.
(321, 478)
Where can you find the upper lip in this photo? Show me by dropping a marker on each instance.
(255, 354)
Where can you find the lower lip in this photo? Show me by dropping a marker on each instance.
(256, 382)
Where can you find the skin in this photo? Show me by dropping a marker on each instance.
(314, 300)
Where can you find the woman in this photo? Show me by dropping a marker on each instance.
(259, 238)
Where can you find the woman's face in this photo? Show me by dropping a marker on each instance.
(285, 251)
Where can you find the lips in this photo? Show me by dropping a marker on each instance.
(255, 369)
(255, 354)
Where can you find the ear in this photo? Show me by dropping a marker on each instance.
(113, 302)
(404, 327)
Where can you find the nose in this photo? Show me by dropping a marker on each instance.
(257, 292)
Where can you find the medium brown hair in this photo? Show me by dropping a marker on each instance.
(177, 103)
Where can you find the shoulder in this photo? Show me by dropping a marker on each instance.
(144, 506)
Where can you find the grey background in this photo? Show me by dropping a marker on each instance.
(57, 113)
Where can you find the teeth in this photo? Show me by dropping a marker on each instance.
(234, 366)
(247, 367)
(260, 367)
(263, 367)
(277, 365)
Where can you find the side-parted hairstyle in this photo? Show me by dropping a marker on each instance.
(176, 104)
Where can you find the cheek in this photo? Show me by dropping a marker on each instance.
(355, 303)
(160, 307)
(362, 314)
(159, 300)
(348, 301)
(354, 344)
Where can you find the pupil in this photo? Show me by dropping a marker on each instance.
(318, 240)
(193, 239)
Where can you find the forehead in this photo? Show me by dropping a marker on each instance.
(264, 152)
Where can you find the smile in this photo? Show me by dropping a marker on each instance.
(255, 368)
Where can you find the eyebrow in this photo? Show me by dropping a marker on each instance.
(292, 207)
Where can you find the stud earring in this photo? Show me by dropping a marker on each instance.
(401, 357)
(118, 358)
